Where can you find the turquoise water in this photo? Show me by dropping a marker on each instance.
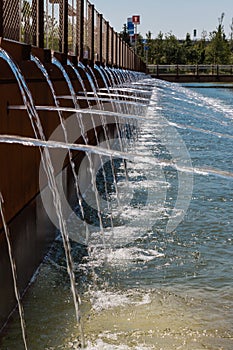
(166, 282)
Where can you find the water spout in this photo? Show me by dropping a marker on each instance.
(14, 273)
(45, 157)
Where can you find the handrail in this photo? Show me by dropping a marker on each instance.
(189, 69)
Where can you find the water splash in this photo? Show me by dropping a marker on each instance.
(14, 273)
(150, 255)
(45, 157)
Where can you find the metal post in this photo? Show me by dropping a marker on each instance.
(80, 28)
(107, 42)
(1, 19)
(131, 59)
(112, 46)
(91, 32)
(38, 22)
(109, 46)
(116, 48)
(119, 54)
(34, 14)
(125, 54)
(122, 54)
(132, 67)
(100, 38)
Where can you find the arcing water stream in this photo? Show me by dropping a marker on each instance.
(167, 280)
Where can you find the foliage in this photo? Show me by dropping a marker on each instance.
(26, 27)
(51, 33)
(125, 35)
(218, 51)
(214, 48)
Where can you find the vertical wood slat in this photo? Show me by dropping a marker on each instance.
(91, 33)
(40, 24)
(1, 18)
(100, 20)
(107, 42)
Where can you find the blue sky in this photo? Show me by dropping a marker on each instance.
(178, 16)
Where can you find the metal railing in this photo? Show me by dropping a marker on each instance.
(19, 20)
(197, 70)
(72, 27)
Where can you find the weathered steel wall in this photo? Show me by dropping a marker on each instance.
(30, 228)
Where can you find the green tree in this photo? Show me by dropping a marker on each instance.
(140, 46)
(167, 49)
(157, 55)
(218, 50)
(148, 48)
(51, 39)
(26, 28)
(231, 36)
(124, 34)
(199, 46)
(173, 53)
(190, 51)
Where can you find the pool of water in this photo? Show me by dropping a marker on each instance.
(165, 280)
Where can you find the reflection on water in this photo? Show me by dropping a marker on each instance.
(152, 288)
(166, 318)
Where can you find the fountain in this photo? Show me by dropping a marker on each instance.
(14, 274)
(70, 136)
(115, 192)
(128, 213)
(38, 125)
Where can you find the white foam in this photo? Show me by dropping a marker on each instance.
(123, 256)
(102, 300)
(101, 345)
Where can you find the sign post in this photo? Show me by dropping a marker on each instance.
(136, 21)
(130, 27)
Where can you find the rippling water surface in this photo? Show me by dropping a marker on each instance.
(166, 282)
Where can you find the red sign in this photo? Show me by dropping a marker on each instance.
(136, 19)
